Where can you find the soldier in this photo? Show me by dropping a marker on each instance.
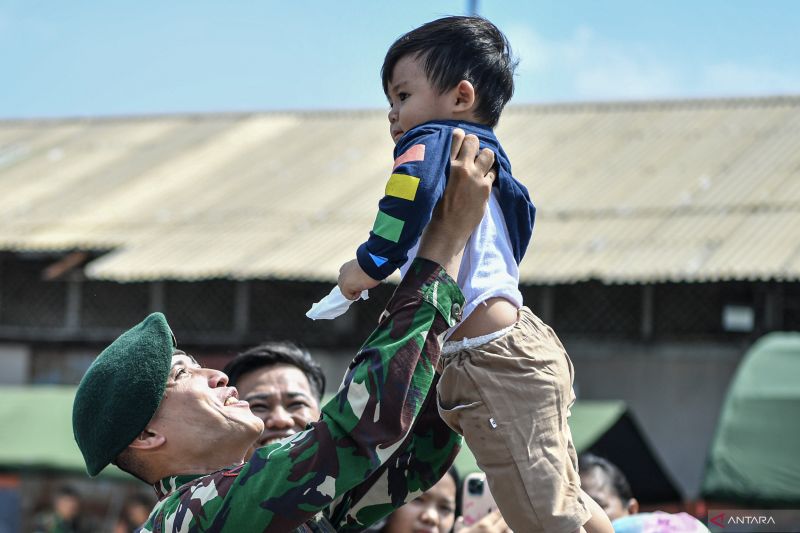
(154, 412)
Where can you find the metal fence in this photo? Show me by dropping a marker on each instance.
(220, 312)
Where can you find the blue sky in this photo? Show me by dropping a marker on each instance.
(82, 58)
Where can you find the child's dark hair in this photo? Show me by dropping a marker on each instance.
(614, 476)
(460, 48)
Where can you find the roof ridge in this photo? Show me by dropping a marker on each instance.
(668, 210)
(554, 107)
(664, 103)
(198, 115)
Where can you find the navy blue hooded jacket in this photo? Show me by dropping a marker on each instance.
(422, 164)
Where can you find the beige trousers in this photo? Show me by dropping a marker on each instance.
(510, 398)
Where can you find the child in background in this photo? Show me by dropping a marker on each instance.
(506, 381)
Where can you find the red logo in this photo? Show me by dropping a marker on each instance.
(718, 520)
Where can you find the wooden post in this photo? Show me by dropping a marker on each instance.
(72, 318)
(241, 308)
(547, 304)
(773, 307)
(648, 312)
(2, 256)
(157, 296)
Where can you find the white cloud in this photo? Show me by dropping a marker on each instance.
(734, 78)
(620, 76)
(592, 67)
(587, 66)
(534, 52)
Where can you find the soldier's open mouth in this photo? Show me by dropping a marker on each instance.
(233, 399)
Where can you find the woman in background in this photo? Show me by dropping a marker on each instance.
(435, 511)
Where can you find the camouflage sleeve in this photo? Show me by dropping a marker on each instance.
(290, 482)
(416, 466)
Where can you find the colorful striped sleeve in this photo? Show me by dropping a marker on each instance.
(416, 183)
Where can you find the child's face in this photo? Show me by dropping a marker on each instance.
(413, 100)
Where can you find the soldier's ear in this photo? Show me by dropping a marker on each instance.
(148, 440)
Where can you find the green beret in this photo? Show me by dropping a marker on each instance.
(121, 391)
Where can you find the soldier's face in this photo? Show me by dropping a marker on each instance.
(281, 396)
(200, 413)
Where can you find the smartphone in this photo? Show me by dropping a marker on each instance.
(477, 501)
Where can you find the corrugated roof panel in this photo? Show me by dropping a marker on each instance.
(627, 192)
(654, 248)
(316, 251)
(762, 247)
(682, 245)
(195, 252)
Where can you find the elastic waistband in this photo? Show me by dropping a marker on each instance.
(451, 347)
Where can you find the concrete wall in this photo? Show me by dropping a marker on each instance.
(675, 392)
(334, 364)
(15, 362)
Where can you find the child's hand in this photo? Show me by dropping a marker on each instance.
(353, 280)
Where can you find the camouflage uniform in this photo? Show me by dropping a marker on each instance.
(378, 443)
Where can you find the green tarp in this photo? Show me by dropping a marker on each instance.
(755, 454)
(37, 430)
(37, 434)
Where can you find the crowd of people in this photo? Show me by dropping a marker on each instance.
(66, 513)
(284, 386)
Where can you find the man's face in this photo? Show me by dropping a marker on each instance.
(413, 99)
(281, 396)
(434, 511)
(597, 485)
(67, 506)
(200, 412)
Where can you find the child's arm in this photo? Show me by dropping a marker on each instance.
(422, 160)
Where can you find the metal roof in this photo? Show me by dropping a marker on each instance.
(626, 192)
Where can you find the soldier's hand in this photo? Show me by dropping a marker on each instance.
(469, 184)
(463, 204)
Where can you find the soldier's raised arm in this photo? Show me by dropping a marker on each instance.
(156, 413)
